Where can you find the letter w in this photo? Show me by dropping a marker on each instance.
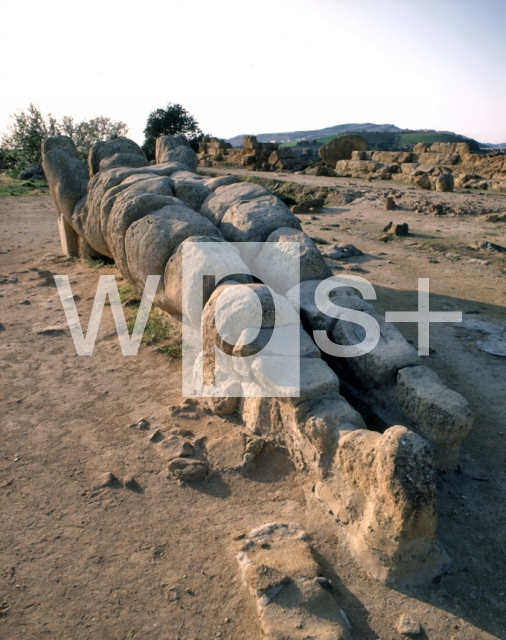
(106, 287)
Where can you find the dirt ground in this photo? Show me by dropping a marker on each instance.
(159, 561)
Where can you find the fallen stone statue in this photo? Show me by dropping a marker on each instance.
(379, 486)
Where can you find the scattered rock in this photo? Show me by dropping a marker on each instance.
(141, 424)
(388, 227)
(389, 203)
(185, 410)
(176, 447)
(252, 448)
(33, 172)
(423, 181)
(306, 205)
(107, 480)
(47, 282)
(386, 237)
(25, 302)
(487, 246)
(131, 483)
(185, 433)
(188, 470)
(156, 436)
(341, 251)
(318, 240)
(478, 261)
(402, 230)
(445, 182)
(494, 217)
(56, 330)
(407, 626)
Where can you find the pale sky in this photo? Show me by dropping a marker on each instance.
(259, 66)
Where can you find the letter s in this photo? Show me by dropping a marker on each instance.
(326, 306)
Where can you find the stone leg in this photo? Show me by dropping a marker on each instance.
(389, 381)
(69, 238)
(382, 490)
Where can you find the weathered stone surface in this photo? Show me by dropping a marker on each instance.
(285, 159)
(402, 230)
(190, 188)
(389, 203)
(176, 149)
(106, 149)
(224, 259)
(423, 181)
(408, 626)
(302, 297)
(188, 469)
(341, 148)
(387, 490)
(252, 340)
(162, 231)
(239, 307)
(129, 207)
(445, 182)
(379, 366)
(341, 251)
(321, 421)
(59, 142)
(399, 157)
(250, 142)
(33, 172)
(67, 177)
(278, 373)
(273, 267)
(288, 584)
(123, 160)
(437, 413)
(216, 205)
(255, 220)
(175, 446)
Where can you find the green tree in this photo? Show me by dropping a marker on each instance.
(86, 133)
(25, 134)
(29, 128)
(171, 121)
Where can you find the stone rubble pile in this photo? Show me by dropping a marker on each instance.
(440, 166)
(257, 156)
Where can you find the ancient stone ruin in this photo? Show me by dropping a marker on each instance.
(379, 486)
(256, 156)
(440, 166)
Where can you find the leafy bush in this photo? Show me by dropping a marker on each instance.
(171, 121)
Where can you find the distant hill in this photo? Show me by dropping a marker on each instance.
(294, 136)
(380, 136)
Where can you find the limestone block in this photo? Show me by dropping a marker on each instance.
(273, 267)
(437, 413)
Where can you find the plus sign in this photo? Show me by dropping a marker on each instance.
(423, 317)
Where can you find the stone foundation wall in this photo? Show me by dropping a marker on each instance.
(426, 165)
